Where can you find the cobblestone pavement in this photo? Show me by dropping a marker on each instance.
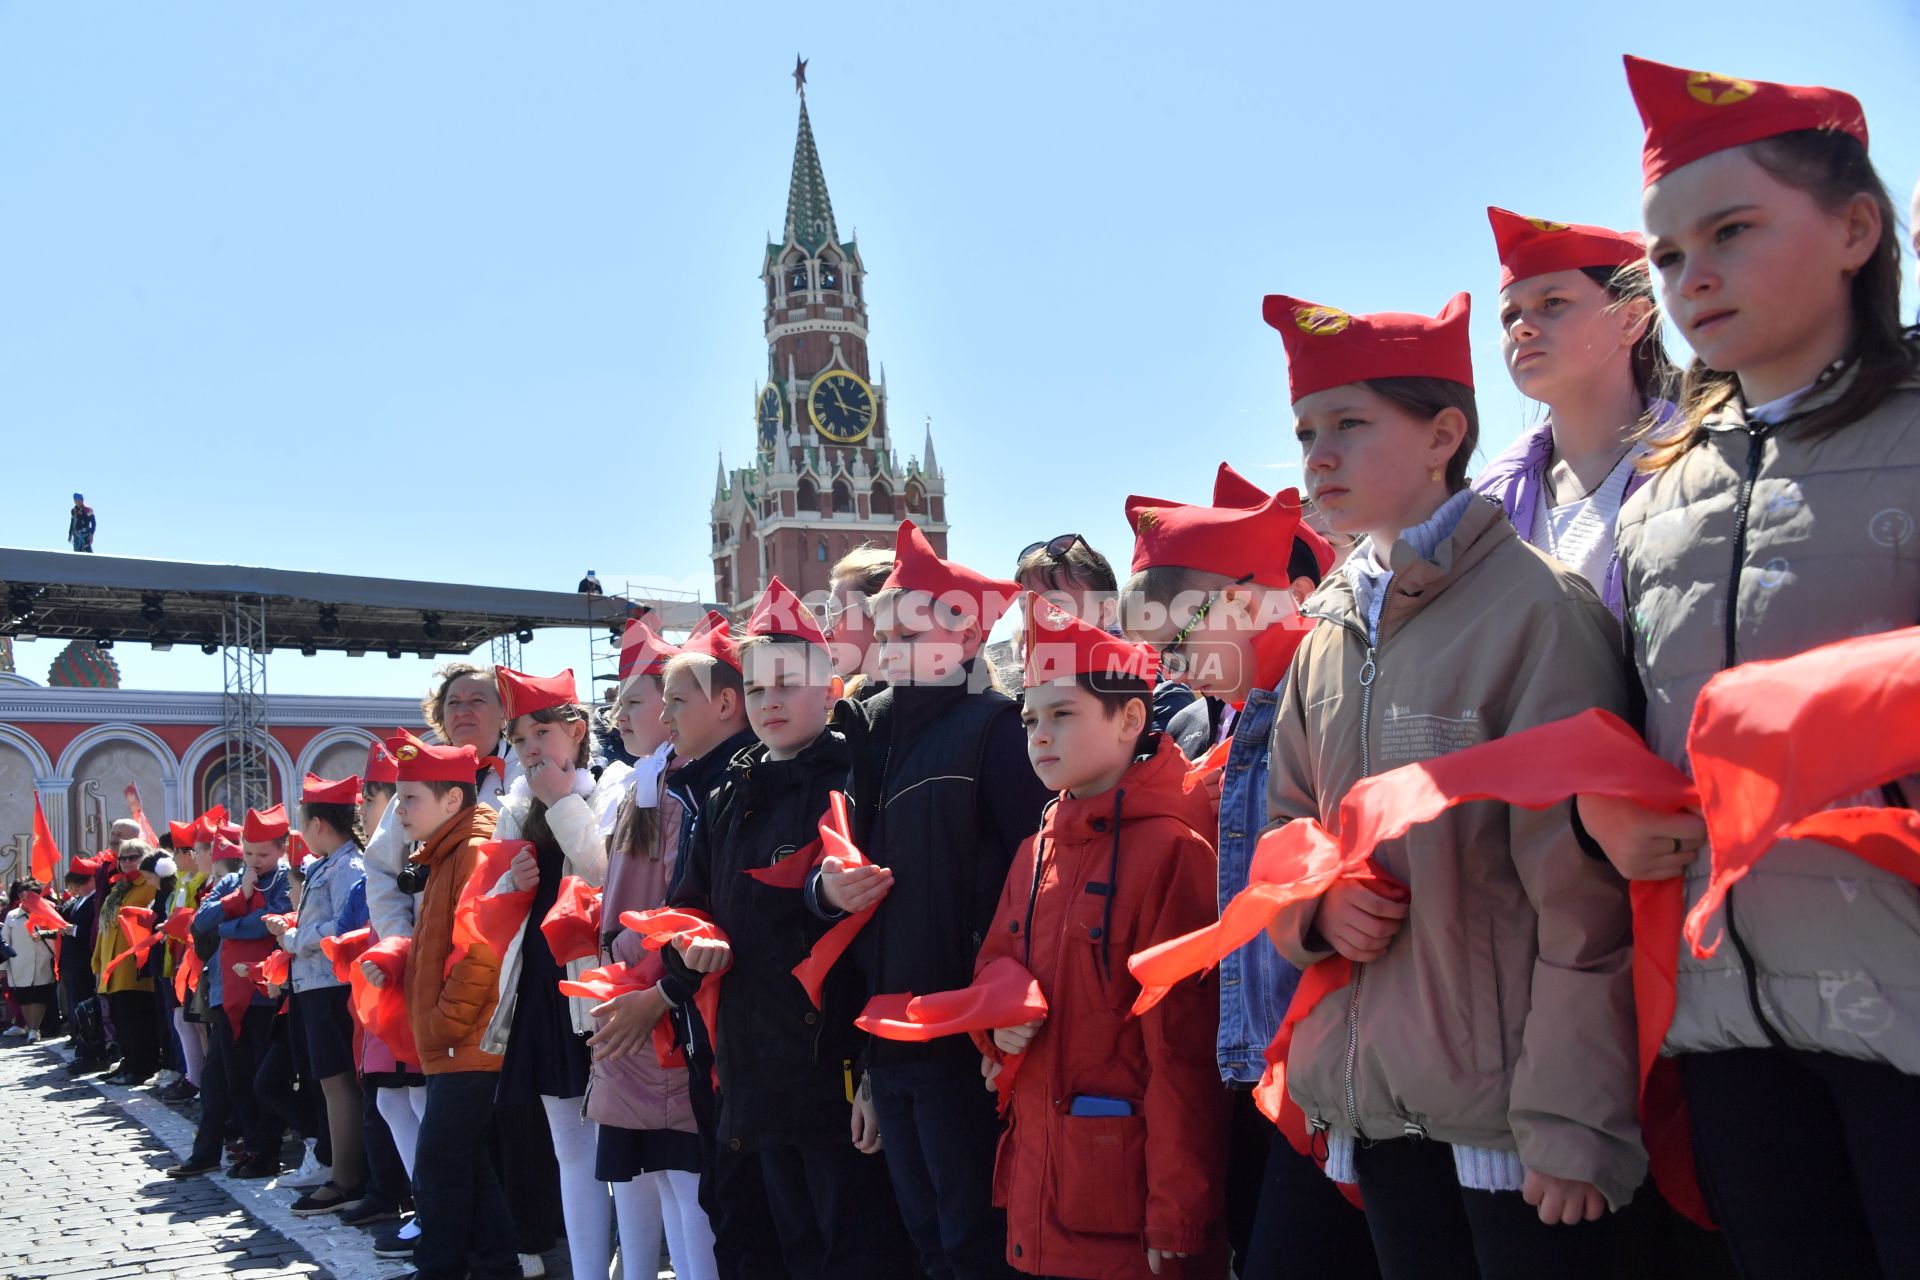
(83, 1196)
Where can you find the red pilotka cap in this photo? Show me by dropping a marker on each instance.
(1231, 541)
(381, 766)
(263, 825)
(185, 834)
(1692, 114)
(1061, 646)
(642, 650)
(522, 694)
(424, 762)
(211, 824)
(317, 790)
(1328, 347)
(917, 567)
(782, 613)
(714, 637)
(1531, 247)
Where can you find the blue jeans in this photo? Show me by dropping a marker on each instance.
(465, 1223)
(940, 1132)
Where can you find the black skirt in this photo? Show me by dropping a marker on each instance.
(625, 1154)
(545, 1055)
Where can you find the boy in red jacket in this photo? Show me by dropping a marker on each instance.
(1116, 1135)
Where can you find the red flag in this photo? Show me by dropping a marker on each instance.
(187, 975)
(1593, 753)
(41, 914)
(617, 979)
(382, 1011)
(274, 970)
(836, 841)
(487, 913)
(344, 950)
(572, 926)
(1772, 742)
(140, 816)
(1208, 764)
(45, 859)
(659, 928)
(1003, 994)
(790, 872)
(136, 925)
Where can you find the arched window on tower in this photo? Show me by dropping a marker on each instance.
(882, 500)
(842, 498)
(820, 550)
(797, 277)
(808, 497)
(916, 497)
(829, 272)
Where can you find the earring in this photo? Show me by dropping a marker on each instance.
(1434, 475)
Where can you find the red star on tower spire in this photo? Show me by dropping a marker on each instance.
(799, 75)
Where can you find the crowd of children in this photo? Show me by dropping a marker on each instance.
(827, 949)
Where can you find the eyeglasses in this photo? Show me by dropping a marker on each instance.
(1056, 547)
(1175, 664)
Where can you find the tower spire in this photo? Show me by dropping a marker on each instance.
(809, 211)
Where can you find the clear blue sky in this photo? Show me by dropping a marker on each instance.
(468, 290)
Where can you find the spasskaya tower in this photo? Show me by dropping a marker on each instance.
(825, 477)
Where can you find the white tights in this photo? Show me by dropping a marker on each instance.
(584, 1201)
(403, 1109)
(669, 1200)
(193, 1045)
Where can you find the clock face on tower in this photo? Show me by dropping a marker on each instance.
(842, 406)
(770, 412)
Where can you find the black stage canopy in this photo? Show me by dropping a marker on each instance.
(73, 596)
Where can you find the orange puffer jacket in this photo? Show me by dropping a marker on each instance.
(449, 1009)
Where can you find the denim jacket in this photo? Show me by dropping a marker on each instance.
(1256, 982)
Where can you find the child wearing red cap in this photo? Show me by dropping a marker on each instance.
(1780, 516)
(661, 1163)
(786, 1069)
(1115, 1150)
(1580, 332)
(1217, 589)
(335, 878)
(942, 795)
(556, 804)
(466, 1224)
(1477, 1082)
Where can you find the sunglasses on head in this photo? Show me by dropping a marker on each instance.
(1056, 547)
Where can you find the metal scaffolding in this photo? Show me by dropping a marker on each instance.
(505, 650)
(243, 664)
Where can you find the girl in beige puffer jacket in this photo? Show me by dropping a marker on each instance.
(1781, 516)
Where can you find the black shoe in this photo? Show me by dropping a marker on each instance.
(255, 1167)
(191, 1166)
(116, 1077)
(87, 1066)
(326, 1198)
(368, 1210)
(391, 1245)
(180, 1091)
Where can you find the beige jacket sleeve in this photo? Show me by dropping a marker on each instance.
(1575, 1083)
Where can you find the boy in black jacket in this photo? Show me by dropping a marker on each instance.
(942, 795)
(787, 1069)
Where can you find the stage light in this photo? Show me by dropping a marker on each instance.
(524, 635)
(308, 651)
(393, 651)
(430, 627)
(209, 647)
(329, 618)
(356, 653)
